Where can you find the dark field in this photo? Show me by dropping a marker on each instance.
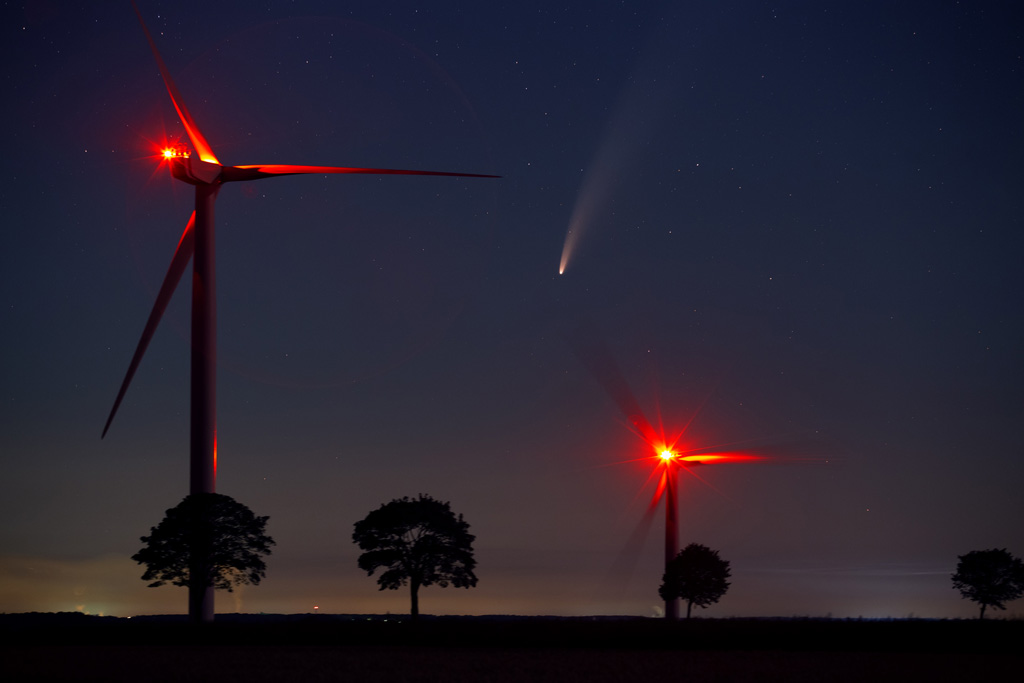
(325, 648)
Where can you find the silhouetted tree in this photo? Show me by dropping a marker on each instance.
(418, 542)
(697, 575)
(989, 578)
(210, 539)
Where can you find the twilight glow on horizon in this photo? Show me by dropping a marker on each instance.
(787, 235)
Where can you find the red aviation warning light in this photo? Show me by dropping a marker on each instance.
(175, 152)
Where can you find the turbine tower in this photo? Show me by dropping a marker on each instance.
(668, 488)
(207, 174)
(671, 481)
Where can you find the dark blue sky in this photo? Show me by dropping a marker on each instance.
(802, 231)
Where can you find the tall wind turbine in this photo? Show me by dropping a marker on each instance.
(207, 174)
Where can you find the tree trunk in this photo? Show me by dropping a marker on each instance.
(689, 606)
(982, 615)
(414, 593)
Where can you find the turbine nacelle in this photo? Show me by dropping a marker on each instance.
(191, 170)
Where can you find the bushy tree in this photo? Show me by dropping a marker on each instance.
(418, 542)
(989, 578)
(207, 540)
(697, 575)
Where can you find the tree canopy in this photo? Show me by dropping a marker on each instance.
(990, 578)
(418, 542)
(207, 540)
(697, 575)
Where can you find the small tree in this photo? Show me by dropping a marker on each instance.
(418, 542)
(207, 540)
(989, 578)
(697, 575)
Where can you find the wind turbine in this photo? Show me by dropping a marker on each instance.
(588, 345)
(670, 462)
(207, 174)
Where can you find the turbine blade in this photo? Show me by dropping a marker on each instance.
(182, 255)
(200, 144)
(588, 344)
(622, 569)
(257, 171)
(662, 486)
(715, 458)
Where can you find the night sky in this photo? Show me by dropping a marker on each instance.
(797, 230)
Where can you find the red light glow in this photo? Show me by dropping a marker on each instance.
(175, 152)
(669, 455)
(708, 458)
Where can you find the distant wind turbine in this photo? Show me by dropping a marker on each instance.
(587, 343)
(207, 174)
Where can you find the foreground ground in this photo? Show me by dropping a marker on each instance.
(324, 648)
